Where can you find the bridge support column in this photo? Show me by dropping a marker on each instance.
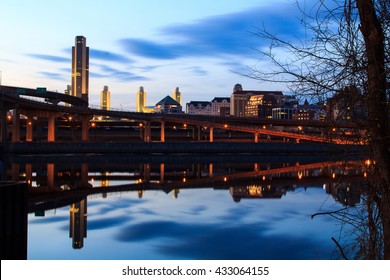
(256, 137)
(29, 129)
(16, 126)
(3, 122)
(85, 127)
(29, 172)
(162, 136)
(15, 172)
(50, 175)
(146, 172)
(51, 127)
(162, 172)
(84, 176)
(147, 132)
(211, 134)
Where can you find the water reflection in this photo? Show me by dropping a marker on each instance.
(78, 183)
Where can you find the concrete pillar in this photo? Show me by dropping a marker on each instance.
(256, 137)
(51, 127)
(162, 136)
(16, 126)
(50, 175)
(147, 132)
(29, 129)
(84, 175)
(211, 134)
(146, 172)
(29, 174)
(3, 123)
(162, 172)
(85, 127)
(15, 172)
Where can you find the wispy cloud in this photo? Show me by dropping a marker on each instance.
(53, 76)
(197, 70)
(52, 58)
(104, 71)
(224, 35)
(108, 56)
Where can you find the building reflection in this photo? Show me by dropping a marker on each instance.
(52, 185)
(78, 223)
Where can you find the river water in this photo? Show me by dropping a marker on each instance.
(183, 207)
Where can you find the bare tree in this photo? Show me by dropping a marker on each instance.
(348, 47)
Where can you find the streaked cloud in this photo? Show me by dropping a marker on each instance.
(52, 58)
(53, 76)
(108, 56)
(105, 71)
(218, 36)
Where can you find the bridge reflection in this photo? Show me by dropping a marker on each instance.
(75, 181)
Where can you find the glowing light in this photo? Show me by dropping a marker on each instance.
(333, 175)
(141, 124)
(263, 178)
(184, 180)
(93, 124)
(185, 125)
(365, 174)
(300, 174)
(225, 179)
(70, 118)
(225, 125)
(368, 162)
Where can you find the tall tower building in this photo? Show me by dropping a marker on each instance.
(80, 68)
(141, 100)
(105, 99)
(177, 95)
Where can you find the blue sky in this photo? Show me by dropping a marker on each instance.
(195, 45)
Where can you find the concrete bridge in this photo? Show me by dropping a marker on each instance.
(39, 104)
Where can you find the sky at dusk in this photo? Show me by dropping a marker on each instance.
(198, 46)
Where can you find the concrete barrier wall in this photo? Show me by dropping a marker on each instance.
(179, 148)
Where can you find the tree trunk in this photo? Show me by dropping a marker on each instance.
(377, 108)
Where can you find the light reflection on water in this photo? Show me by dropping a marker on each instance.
(188, 211)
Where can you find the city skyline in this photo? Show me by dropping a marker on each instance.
(196, 46)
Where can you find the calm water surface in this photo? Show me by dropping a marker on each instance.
(189, 211)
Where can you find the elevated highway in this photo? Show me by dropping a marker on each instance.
(40, 103)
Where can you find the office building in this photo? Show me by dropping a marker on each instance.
(140, 100)
(199, 108)
(177, 95)
(80, 68)
(220, 106)
(245, 103)
(105, 99)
